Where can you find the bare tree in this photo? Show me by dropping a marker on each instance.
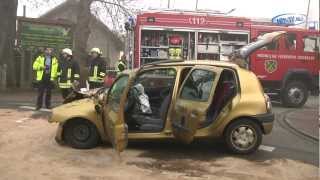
(115, 9)
(8, 11)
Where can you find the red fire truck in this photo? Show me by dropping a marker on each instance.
(288, 67)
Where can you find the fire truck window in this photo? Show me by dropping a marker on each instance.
(310, 44)
(271, 46)
(290, 41)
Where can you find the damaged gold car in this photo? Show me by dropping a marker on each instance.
(182, 100)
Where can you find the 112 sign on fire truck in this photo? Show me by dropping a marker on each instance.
(288, 67)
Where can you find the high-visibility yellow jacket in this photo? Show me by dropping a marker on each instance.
(39, 67)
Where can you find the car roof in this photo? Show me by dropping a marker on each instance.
(193, 63)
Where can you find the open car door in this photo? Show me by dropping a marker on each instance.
(113, 113)
(193, 101)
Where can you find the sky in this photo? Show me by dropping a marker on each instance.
(245, 8)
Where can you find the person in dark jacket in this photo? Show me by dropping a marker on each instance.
(97, 69)
(68, 73)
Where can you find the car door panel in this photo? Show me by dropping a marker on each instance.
(193, 101)
(113, 114)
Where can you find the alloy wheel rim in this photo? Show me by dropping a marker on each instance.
(296, 95)
(243, 137)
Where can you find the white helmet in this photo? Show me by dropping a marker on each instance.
(67, 51)
(96, 50)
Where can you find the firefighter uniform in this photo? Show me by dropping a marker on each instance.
(68, 73)
(46, 68)
(97, 72)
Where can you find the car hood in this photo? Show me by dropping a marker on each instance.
(261, 41)
(72, 104)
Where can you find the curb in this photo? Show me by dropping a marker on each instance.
(287, 121)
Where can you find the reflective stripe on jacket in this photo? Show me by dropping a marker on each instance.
(39, 67)
(97, 70)
(68, 71)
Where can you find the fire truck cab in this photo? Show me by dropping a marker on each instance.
(288, 67)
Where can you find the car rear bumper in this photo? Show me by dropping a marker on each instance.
(266, 121)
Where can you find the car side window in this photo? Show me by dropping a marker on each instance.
(291, 41)
(157, 78)
(116, 91)
(198, 85)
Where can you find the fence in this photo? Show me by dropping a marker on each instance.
(3, 77)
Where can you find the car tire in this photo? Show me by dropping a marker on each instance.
(295, 94)
(238, 132)
(81, 134)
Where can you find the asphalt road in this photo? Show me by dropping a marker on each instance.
(283, 142)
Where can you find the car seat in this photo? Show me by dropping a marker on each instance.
(155, 123)
(224, 93)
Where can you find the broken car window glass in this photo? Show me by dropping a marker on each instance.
(116, 92)
(198, 85)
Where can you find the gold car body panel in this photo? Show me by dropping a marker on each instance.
(248, 102)
(113, 118)
(185, 116)
(83, 108)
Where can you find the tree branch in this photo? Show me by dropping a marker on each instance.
(125, 10)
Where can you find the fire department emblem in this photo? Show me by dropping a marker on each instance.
(271, 66)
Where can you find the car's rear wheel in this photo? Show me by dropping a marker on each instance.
(81, 134)
(243, 136)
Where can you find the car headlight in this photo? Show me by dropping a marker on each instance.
(268, 103)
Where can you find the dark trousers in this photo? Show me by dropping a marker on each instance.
(44, 87)
(65, 92)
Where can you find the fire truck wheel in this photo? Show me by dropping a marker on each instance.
(295, 94)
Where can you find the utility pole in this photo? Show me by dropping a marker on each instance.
(307, 17)
(24, 11)
(196, 5)
(168, 4)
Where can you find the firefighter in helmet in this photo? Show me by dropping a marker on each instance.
(97, 69)
(46, 68)
(68, 73)
(121, 64)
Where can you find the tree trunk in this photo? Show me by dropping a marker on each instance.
(8, 14)
(81, 36)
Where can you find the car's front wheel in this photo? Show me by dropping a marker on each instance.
(81, 134)
(243, 136)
